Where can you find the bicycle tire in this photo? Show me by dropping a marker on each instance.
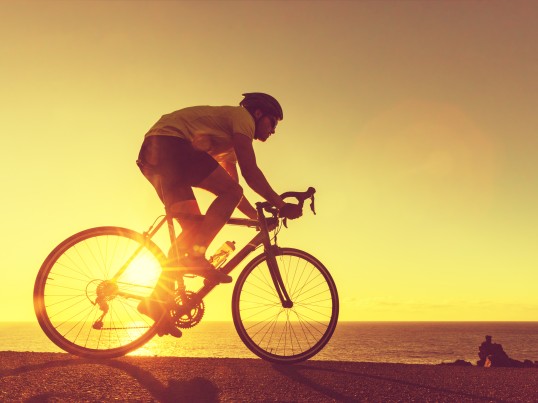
(285, 335)
(66, 287)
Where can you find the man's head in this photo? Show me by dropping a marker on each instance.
(266, 112)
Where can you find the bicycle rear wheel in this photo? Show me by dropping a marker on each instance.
(79, 304)
(285, 335)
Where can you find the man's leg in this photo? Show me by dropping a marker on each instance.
(197, 236)
(188, 227)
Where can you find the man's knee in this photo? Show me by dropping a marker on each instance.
(222, 185)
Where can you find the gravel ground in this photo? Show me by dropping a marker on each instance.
(38, 377)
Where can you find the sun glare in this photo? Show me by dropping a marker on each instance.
(143, 272)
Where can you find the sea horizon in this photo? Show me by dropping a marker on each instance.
(411, 342)
(341, 321)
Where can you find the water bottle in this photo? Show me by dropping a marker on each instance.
(220, 256)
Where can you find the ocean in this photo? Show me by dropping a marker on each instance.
(395, 342)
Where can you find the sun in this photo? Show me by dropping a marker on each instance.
(141, 275)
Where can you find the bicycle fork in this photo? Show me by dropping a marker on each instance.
(271, 251)
(276, 276)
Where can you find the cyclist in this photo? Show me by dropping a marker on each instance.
(200, 147)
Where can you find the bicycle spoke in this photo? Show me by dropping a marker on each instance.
(271, 291)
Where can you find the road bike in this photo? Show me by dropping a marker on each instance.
(284, 303)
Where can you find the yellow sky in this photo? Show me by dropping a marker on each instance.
(416, 122)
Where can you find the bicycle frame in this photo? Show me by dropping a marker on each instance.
(261, 238)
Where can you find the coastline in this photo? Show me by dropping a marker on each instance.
(27, 376)
(394, 342)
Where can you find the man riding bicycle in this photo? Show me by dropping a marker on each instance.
(200, 147)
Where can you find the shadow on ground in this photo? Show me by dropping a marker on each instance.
(196, 389)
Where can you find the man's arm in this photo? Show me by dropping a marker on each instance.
(251, 172)
(244, 205)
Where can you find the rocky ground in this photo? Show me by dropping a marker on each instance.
(36, 377)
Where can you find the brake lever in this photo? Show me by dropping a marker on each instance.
(312, 205)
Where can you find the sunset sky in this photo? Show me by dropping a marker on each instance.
(416, 121)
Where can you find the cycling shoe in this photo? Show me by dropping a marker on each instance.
(155, 310)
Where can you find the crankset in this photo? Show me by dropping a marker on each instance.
(183, 314)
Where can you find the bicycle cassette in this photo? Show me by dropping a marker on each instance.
(186, 320)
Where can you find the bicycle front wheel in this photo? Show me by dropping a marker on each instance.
(81, 302)
(278, 334)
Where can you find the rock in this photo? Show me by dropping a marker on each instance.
(493, 355)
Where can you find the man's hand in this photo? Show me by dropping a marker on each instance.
(291, 211)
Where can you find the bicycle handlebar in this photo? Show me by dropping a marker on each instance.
(300, 196)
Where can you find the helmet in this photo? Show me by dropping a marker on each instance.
(264, 102)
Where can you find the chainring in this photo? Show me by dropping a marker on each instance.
(189, 319)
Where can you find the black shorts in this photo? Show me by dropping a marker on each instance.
(173, 167)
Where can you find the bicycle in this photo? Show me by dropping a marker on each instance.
(284, 303)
